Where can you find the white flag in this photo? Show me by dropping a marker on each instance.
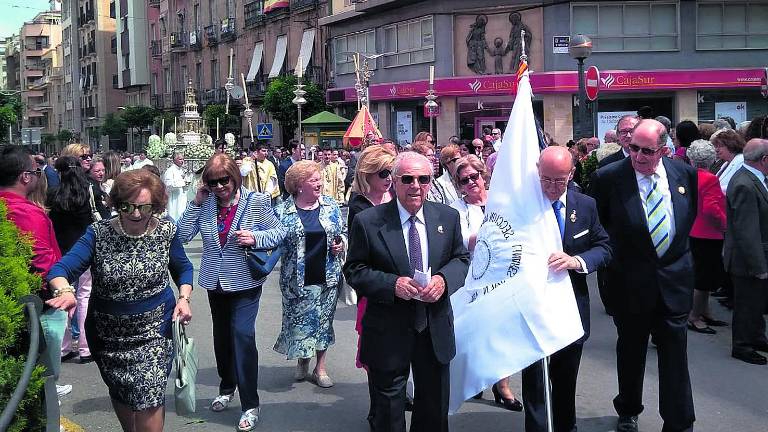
(512, 311)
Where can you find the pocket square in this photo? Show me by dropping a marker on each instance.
(581, 234)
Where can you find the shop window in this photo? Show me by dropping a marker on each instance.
(345, 46)
(409, 43)
(628, 26)
(731, 25)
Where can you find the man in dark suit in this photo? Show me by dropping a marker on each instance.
(647, 203)
(745, 252)
(585, 249)
(296, 153)
(407, 324)
(50, 174)
(624, 132)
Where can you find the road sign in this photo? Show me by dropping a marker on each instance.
(593, 82)
(264, 131)
(560, 44)
(764, 83)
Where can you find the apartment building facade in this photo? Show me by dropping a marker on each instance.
(685, 59)
(37, 57)
(131, 46)
(194, 40)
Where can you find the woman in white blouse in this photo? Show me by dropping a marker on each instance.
(728, 146)
(470, 177)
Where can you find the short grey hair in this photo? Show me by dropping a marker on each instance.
(701, 153)
(606, 150)
(721, 123)
(665, 121)
(410, 156)
(622, 118)
(742, 127)
(753, 153)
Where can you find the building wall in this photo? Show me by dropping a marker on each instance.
(38, 38)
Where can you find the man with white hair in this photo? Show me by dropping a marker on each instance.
(407, 257)
(610, 136)
(176, 183)
(496, 135)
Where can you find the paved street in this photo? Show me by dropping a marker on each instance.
(730, 396)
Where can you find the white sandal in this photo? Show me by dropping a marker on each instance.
(221, 402)
(250, 418)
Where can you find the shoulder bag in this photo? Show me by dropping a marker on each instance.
(260, 262)
(95, 215)
(185, 361)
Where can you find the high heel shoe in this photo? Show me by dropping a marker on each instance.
(510, 404)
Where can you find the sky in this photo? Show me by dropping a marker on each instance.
(13, 13)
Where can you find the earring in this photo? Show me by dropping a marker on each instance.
(301, 191)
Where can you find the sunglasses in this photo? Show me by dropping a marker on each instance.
(127, 207)
(473, 177)
(409, 179)
(645, 151)
(385, 173)
(220, 181)
(453, 160)
(38, 172)
(86, 157)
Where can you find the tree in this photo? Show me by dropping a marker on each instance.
(114, 126)
(64, 136)
(278, 102)
(168, 117)
(227, 122)
(10, 113)
(138, 117)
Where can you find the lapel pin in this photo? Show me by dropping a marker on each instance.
(681, 190)
(573, 216)
(440, 229)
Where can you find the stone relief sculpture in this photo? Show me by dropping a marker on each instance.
(498, 52)
(514, 45)
(477, 45)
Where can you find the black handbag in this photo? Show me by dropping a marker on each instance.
(260, 262)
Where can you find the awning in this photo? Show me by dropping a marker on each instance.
(258, 53)
(31, 113)
(277, 63)
(307, 45)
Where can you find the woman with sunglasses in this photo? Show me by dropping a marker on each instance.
(132, 304)
(229, 218)
(371, 186)
(310, 271)
(470, 176)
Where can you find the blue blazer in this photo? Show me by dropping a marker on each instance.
(584, 236)
(225, 266)
(52, 176)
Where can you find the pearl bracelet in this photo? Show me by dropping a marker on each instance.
(58, 292)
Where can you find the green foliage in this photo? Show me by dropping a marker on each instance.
(587, 168)
(278, 102)
(168, 117)
(48, 139)
(64, 136)
(226, 121)
(10, 113)
(138, 117)
(114, 126)
(15, 282)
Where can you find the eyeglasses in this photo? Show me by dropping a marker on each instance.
(86, 157)
(496, 133)
(430, 141)
(453, 160)
(422, 179)
(38, 172)
(473, 177)
(385, 173)
(557, 182)
(625, 132)
(219, 181)
(645, 151)
(127, 207)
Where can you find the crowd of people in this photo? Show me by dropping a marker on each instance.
(669, 216)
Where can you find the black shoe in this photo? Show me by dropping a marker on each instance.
(761, 347)
(408, 405)
(704, 330)
(719, 293)
(85, 359)
(627, 424)
(69, 356)
(510, 404)
(727, 303)
(478, 396)
(713, 322)
(751, 357)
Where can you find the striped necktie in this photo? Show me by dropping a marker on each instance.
(658, 222)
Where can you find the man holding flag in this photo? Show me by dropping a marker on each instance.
(647, 203)
(514, 309)
(585, 249)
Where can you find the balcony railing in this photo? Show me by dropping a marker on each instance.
(303, 4)
(177, 99)
(195, 39)
(178, 41)
(228, 29)
(154, 3)
(157, 101)
(256, 88)
(156, 47)
(214, 96)
(211, 35)
(35, 66)
(254, 13)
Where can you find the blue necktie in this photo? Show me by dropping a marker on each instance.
(557, 206)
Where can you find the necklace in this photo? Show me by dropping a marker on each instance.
(221, 226)
(132, 236)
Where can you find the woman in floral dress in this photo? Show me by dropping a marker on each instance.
(132, 304)
(311, 270)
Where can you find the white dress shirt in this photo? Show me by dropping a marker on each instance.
(644, 186)
(421, 228)
(760, 176)
(563, 199)
(726, 172)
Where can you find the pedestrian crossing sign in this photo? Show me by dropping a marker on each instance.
(264, 130)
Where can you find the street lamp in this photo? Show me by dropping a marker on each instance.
(579, 49)
(431, 105)
(299, 101)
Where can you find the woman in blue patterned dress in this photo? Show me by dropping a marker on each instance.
(132, 304)
(310, 272)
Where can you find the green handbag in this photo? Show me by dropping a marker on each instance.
(185, 361)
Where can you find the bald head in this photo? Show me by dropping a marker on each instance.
(555, 171)
(754, 154)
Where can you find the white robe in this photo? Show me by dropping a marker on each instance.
(175, 185)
